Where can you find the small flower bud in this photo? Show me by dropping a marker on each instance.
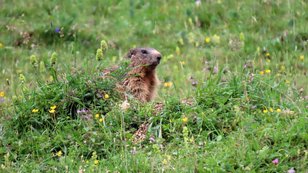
(104, 45)
(99, 54)
(33, 60)
(53, 58)
(22, 78)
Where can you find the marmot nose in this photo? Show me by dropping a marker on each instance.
(158, 58)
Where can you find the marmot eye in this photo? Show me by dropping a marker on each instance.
(144, 51)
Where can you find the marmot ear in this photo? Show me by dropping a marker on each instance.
(131, 53)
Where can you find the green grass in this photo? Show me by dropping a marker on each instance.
(236, 103)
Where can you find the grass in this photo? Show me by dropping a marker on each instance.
(234, 87)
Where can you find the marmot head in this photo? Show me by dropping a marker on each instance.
(147, 58)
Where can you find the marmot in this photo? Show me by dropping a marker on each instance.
(141, 81)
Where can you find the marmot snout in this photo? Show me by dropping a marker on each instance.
(142, 81)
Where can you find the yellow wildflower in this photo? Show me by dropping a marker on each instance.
(53, 107)
(271, 109)
(207, 39)
(106, 96)
(261, 72)
(268, 60)
(35, 110)
(278, 110)
(167, 84)
(96, 162)
(267, 54)
(52, 111)
(96, 116)
(301, 57)
(1, 94)
(59, 153)
(287, 81)
(182, 62)
(184, 119)
(268, 71)
(1, 45)
(265, 111)
(101, 120)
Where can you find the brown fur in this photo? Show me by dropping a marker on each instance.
(142, 81)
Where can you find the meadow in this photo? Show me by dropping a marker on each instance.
(233, 94)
